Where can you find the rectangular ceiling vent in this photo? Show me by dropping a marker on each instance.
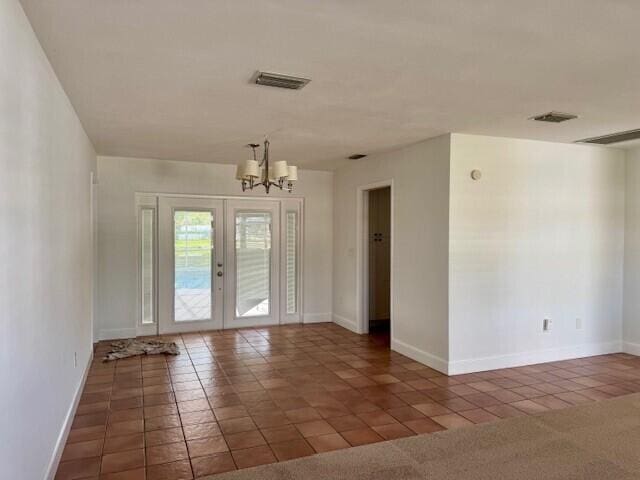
(554, 117)
(280, 81)
(613, 137)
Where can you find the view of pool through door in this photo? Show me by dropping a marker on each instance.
(219, 263)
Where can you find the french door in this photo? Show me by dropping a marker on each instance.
(219, 263)
(253, 256)
(191, 264)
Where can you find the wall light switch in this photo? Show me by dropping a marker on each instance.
(546, 325)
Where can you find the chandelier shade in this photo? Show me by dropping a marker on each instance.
(280, 169)
(292, 173)
(248, 169)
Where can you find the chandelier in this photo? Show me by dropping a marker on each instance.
(253, 173)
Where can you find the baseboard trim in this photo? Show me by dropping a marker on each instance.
(68, 421)
(531, 358)
(421, 356)
(317, 317)
(631, 348)
(116, 333)
(345, 323)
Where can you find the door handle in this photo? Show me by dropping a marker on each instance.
(219, 274)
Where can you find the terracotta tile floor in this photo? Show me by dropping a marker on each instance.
(239, 398)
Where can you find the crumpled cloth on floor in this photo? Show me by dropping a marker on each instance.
(133, 347)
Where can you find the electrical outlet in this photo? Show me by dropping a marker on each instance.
(546, 325)
(75, 359)
(578, 324)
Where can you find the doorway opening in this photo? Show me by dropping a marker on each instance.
(378, 260)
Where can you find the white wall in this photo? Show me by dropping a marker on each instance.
(631, 325)
(119, 180)
(45, 252)
(541, 235)
(420, 200)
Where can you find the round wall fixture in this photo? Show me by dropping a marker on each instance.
(476, 174)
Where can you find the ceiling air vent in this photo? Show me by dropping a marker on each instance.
(613, 137)
(280, 81)
(554, 117)
(356, 156)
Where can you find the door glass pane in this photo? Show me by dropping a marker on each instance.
(292, 261)
(146, 263)
(253, 263)
(193, 248)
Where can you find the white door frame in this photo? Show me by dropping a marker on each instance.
(232, 207)
(362, 255)
(166, 269)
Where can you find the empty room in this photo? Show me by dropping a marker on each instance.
(287, 239)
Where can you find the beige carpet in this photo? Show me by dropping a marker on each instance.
(597, 441)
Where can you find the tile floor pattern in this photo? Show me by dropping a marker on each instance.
(239, 398)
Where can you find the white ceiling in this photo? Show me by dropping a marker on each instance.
(170, 78)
